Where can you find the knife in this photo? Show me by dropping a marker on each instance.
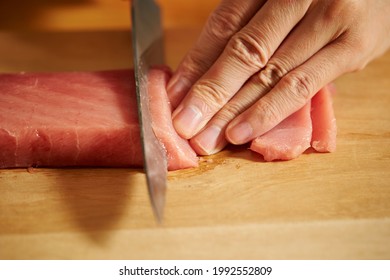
(147, 36)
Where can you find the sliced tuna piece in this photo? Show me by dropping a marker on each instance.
(324, 121)
(83, 119)
(289, 139)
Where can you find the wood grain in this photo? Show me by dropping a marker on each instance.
(234, 206)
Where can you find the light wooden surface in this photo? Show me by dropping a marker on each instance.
(319, 206)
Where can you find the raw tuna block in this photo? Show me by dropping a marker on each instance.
(83, 119)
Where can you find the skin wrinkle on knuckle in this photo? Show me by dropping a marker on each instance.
(223, 23)
(265, 114)
(299, 87)
(271, 75)
(248, 51)
(193, 66)
(212, 95)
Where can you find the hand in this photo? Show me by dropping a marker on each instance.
(256, 62)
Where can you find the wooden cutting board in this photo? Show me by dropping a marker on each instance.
(235, 205)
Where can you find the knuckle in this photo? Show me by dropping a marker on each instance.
(271, 75)
(193, 65)
(213, 95)
(267, 113)
(223, 23)
(299, 87)
(246, 48)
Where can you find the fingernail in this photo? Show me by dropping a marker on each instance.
(209, 141)
(187, 121)
(176, 85)
(240, 133)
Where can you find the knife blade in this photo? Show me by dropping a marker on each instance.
(147, 39)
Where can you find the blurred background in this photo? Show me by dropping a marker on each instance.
(94, 14)
(68, 35)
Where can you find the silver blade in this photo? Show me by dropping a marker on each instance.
(148, 50)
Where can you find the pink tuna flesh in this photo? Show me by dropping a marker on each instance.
(83, 119)
(324, 122)
(289, 139)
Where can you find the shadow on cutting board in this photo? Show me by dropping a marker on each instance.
(88, 202)
(97, 200)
